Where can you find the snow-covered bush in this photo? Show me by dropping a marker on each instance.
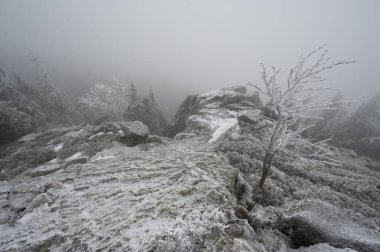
(196, 231)
(122, 102)
(116, 101)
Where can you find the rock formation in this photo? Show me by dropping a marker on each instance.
(115, 187)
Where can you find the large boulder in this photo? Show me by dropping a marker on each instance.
(131, 133)
(310, 222)
(187, 108)
(44, 170)
(168, 198)
(249, 116)
(224, 99)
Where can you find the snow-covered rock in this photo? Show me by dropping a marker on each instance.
(45, 169)
(249, 116)
(197, 192)
(181, 136)
(130, 133)
(168, 197)
(77, 158)
(311, 222)
(215, 102)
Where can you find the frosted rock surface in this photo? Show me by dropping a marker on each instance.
(128, 202)
(44, 170)
(313, 221)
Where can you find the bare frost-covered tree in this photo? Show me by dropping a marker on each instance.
(115, 100)
(294, 101)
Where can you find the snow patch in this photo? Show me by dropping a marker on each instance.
(102, 157)
(58, 147)
(74, 134)
(96, 135)
(73, 157)
(221, 126)
(53, 161)
(28, 137)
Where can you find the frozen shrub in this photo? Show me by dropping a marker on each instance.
(295, 101)
(195, 231)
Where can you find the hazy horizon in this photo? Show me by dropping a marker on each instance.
(188, 47)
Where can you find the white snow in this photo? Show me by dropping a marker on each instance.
(221, 126)
(53, 161)
(102, 157)
(75, 156)
(28, 137)
(96, 135)
(74, 134)
(58, 147)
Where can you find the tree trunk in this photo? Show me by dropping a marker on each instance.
(270, 153)
(267, 163)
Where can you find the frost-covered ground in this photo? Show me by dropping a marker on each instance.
(125, 198)
(82, 189)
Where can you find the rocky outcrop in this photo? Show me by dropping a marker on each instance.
(61, 147)
(130, 133)
(217, 102)
(166, 198)
(93, 190)
(342, 211)
(208, 114)
(187, 108)
(311, 222)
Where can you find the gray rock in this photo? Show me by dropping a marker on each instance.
(181, 136)
(45, 170)
(38, 201)
(19, 201)
(260, 217)
(246, 103)
(136, 129)
(29, 137)
(215, 100)
(4, 216)
(180, 186)
(321, 247)
(234, 136)
(134, 132)
(248, 116)
(311, 222)
(77, 158)
(236, 107)
(154, 139)
(130, 133)
(269, 112)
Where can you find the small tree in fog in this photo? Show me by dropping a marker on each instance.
(295, 101)
(115, 100)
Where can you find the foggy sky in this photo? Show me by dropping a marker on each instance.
(182, 47)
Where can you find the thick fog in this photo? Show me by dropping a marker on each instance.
(184, 47)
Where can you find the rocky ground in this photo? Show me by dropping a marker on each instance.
(114, 187)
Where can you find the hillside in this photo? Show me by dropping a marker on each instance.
(115, 187)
